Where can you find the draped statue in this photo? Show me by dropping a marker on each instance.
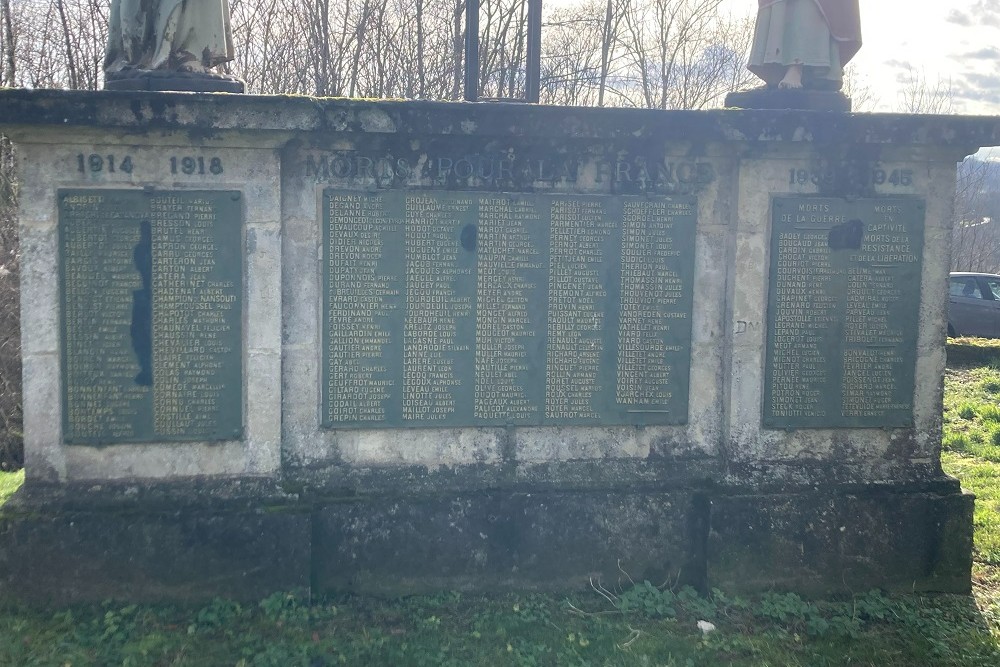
(167, 36)
(805, 43)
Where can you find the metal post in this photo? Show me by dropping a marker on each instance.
(471, 50)
(533, 71)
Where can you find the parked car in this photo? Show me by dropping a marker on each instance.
(974, 305)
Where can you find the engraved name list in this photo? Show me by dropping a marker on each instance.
(464, 308)
(151, 315)
(843, 308)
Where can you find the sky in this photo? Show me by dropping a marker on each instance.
(952, 43)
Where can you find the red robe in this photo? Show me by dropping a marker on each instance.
(844, 20)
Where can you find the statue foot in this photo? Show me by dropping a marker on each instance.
(793, 78)
(192, 66)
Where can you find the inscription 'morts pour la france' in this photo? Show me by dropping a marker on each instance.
(843, 311)
(151, 315)
(451, 308)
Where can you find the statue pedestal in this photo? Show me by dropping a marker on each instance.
(786, 98)
(162, 80)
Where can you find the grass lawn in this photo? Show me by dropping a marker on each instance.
(642, 625)
(972, 448)
(972, 454)
(9, 483)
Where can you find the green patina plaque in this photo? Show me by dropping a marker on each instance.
(842, 317)
(475, 309)
(151, 296)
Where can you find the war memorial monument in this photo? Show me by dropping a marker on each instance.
(387, 346)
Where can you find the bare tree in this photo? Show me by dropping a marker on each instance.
(663, 54)
(11, 439)
(571, 72)
(858, 87)
(712, 65)
(650, 53)
(976, 231)
(502, 26)
(920, 94)
(71, 69)
(582, 60)
(11, 442)
(614, 12)
(662, 35)
(976, 222)
(8, 49)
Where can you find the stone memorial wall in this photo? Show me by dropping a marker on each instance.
(398, 346)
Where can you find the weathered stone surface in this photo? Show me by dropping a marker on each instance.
(183, 555)
(207, 116)
(717, 495)
(200, 82)
(198, 542)
(828, 539)
(161, 162)
(501, 540)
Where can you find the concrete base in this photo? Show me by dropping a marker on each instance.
(92, 556)
(778, 98)
(496, 541)
(835, 540)
(192, 82)
(916, 538)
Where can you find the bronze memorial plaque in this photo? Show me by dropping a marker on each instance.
(470, 309)
(842, 314)
(152, 286)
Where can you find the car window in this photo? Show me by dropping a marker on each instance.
(994, 284)
(967, 287)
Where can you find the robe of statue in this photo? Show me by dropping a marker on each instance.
(820, 35)
(180, 35)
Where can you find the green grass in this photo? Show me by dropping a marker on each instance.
(9, 483)
(972, 412)
(972, 448)
(641, 625)
(983, 479)
(971, 453)
(968, 351)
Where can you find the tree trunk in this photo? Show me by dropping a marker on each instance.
(67, 36)
(9, 67)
